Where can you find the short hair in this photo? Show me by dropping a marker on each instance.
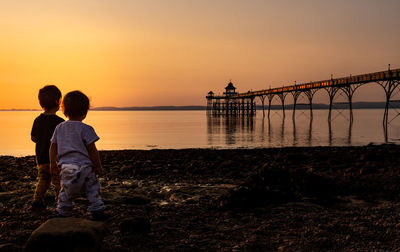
(75, 104)
(49, 97)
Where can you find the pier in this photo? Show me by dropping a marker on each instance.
(233, 103)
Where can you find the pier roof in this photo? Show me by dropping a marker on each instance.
(230, 86)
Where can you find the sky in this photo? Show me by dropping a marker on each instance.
(173, 52)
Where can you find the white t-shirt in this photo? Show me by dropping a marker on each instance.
(71, 138)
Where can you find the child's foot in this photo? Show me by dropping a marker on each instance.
(37, 206)
(99, 215)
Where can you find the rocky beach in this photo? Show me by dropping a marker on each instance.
(277, 199)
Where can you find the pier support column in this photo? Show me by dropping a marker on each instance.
(389, 86)
(214, 108)
(262, 98)
(349, 91)
(228, 105)
(310, 95)
(252, 106)
(270, 97)
(295, 95)
(332, 91)
(282, 96)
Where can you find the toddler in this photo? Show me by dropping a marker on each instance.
(73, 152)
(42, 130)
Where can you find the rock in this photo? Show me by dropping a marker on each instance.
(9, 247)
(135, 199)
(324, 189)
(274, 184)
(67, 234)
(136, 225)
(129, 184)
(125, 168)
(254, 196)
(4, 196)
(226, 164)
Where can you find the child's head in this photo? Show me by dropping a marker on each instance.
(75, 104)
(49, 97)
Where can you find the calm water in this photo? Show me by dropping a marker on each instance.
(193, 129)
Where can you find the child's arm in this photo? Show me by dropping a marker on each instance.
(53, 158)
(95, 157)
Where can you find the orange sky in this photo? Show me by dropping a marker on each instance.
(144, 53)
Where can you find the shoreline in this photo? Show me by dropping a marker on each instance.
(289, 198)
(225, 149)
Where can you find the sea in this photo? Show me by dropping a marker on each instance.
(144, 130)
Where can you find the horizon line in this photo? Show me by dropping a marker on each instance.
(378, 104)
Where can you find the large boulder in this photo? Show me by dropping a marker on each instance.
(67, 234)
(275, 185)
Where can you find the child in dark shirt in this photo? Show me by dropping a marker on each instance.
(42, 130)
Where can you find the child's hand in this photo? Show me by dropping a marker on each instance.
(98, 171)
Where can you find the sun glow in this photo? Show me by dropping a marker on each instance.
(131, 53)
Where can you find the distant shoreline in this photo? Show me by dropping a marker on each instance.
(356, 105)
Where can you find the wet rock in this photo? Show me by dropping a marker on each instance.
(67, 234)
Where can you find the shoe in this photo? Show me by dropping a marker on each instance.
(99, 216)
(37, 206)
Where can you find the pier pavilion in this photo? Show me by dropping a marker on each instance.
(229, 104)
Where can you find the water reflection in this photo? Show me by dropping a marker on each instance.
(245, 131)
(283, 130)
(269, 130)
(236, 129)
(330, 132)
(310, 131)
(192, 129)
(294, 132)
(350, 132)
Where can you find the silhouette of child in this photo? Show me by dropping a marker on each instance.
(42, 130)
(73, 145)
